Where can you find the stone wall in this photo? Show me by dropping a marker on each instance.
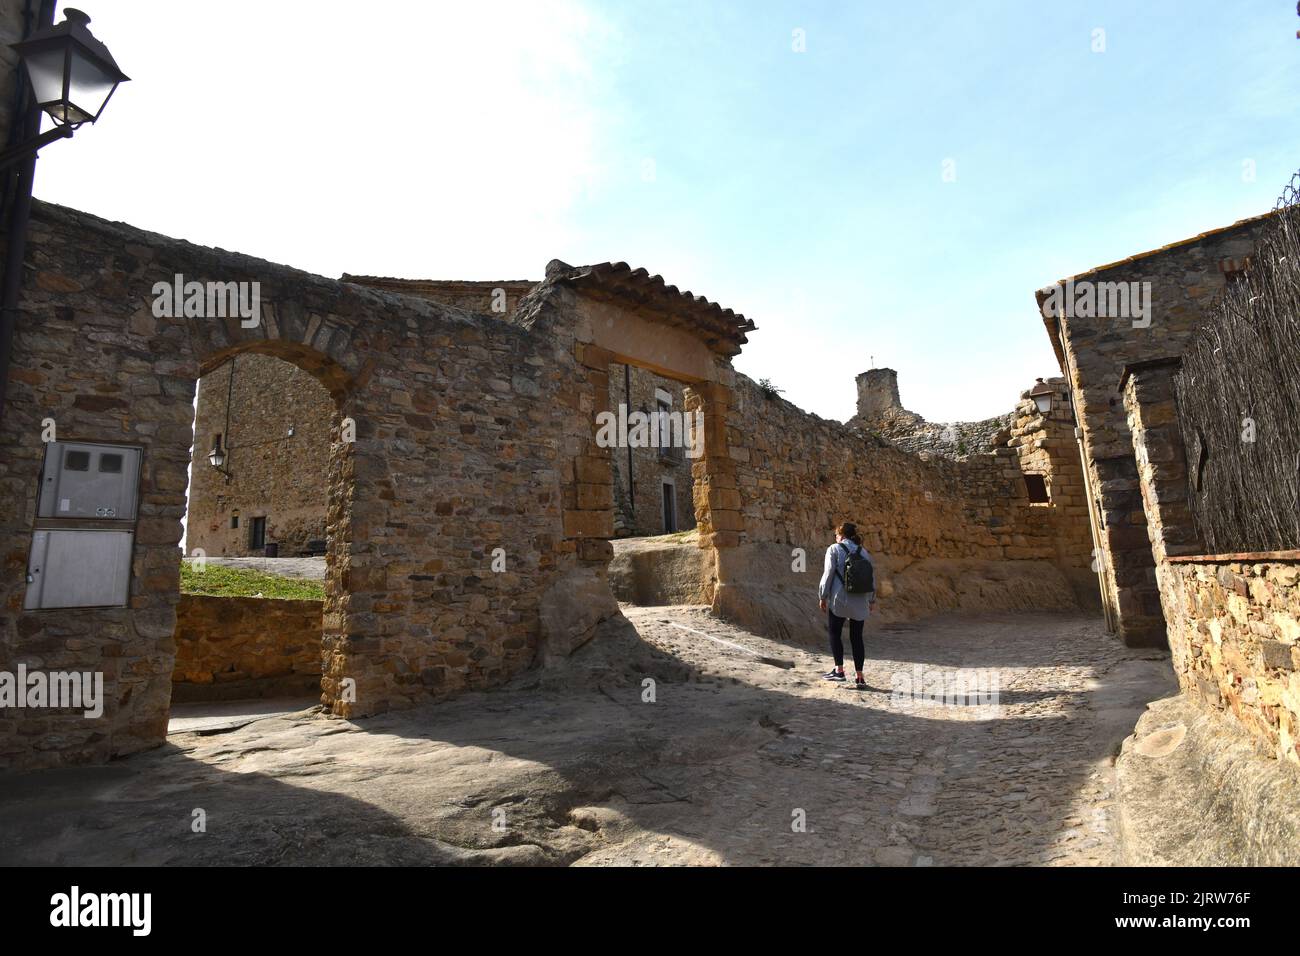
(231, 648)
(1233, 620)
(799, 475)
(275, 474)
(1045, 445)
(1185, 278)
(498, 297)
(1234, 629)
(274, 420)
(639, 511)
(945, 534)
(458, 450)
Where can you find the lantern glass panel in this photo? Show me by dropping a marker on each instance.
(45, 70)
(88, 87)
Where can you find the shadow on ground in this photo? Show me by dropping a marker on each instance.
(733, 761)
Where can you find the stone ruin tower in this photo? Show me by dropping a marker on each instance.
(878, 395)
(881, 411)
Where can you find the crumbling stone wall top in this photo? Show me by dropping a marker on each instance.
(881, 412)
(481, 297)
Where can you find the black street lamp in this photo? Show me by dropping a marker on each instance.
(72, 74)
(72, 77)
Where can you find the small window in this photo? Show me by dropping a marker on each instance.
(234, 521)
(110, 464)
(77, 461)
(1037, 488)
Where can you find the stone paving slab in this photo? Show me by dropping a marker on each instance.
(207, 717)
(651, 745)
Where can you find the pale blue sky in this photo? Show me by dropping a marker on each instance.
(804, 189)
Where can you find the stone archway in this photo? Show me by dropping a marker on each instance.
(332, 509)
(627, 316)
(318, 331)
(458, 459)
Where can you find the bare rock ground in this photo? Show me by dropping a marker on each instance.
(572, 764)
(1185, 766)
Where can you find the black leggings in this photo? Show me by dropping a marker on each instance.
(835, 627)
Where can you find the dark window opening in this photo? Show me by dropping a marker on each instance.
(234, 521)
(668, 451)
(257, 534)
(1036, 485)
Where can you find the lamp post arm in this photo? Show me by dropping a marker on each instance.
(16, 153)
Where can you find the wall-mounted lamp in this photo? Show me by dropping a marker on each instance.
(1042, 396)
(217, 457)
(72, 76)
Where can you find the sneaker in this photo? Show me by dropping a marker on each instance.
(834, 675)
(860, 684)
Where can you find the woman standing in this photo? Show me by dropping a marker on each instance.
(847, 592)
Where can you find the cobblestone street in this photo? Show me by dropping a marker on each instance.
(744, 756)
(893, 781)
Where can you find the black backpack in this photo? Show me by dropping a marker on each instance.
(858, 576)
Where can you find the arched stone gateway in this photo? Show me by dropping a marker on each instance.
(463, 500)
(447, 462)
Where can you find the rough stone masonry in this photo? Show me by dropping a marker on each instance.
(453, 434)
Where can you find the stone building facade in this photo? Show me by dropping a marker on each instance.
(1094, 344)
(653, 487)
(1047, 449)
(273, 420)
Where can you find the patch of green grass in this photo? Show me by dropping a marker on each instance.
(219, 581)
(677, 534)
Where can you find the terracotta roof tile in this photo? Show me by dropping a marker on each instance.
(723, 328)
